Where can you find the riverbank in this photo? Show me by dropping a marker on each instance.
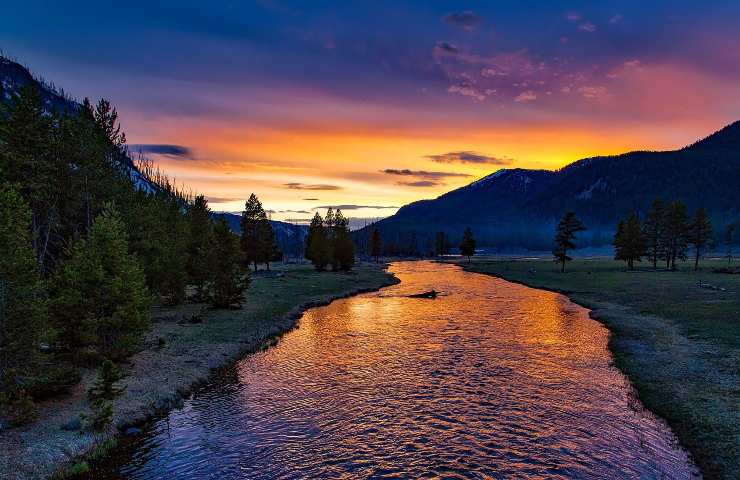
(678, 344)
(178, 355)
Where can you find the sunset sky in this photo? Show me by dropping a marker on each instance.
(371, 105)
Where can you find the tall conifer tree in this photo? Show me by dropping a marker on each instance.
(229, 276)
(467, 246)
(699, 234)
(376, 245)
(565, 235)
(200, 238)
(653, 228)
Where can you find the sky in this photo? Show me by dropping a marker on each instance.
(371, 105)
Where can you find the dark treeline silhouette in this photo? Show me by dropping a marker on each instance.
(329, 242)
(666, 235)
(89, 239)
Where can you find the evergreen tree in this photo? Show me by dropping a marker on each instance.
(27, 147)
(317, 244)
(674, 236)
(100, 296)
(269, 250)
(376, 245)
(344, 247)
(441, 244)
(104, 387)
(729, 239)
(629, 241)
(467, 246)
(254, 226)
(23, 303)
(565, 235)
(200, 239)
(330, 230)
(230, 278)
(653, 230)
(699, 234)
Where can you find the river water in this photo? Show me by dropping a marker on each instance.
(490, 380)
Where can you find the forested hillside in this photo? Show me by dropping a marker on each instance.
(89, 240)
(518, 208)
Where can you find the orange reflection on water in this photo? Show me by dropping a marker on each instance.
(491, 379)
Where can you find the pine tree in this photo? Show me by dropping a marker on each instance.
(200, 239)
(565, 235)
(699, 234)
(376, 245)
(23, 302)
(27, 146)
(330, 231)
(675, 234)
(230, 278)
(100, 296)
(105, 386)
(254, 231)
(467, 246)
(629, 241)
(317, 244)
(653, 230)
(344, 247)
(269, 250)
(729, 240)
(441, 244)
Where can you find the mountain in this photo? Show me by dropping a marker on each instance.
(518, 208)
(14, 76)
(290, 237)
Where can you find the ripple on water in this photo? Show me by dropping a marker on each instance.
(492, 379)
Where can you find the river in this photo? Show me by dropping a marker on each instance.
(490, 380)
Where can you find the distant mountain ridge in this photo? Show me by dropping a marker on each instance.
(518, 208)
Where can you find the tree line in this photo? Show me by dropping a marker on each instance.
(88, 242)
(329, 242)
(666, 234)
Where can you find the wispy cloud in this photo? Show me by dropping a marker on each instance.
(466, 20)
(467, 156)
(423, 173)
(526, 96)
(587, 27)
(309, 186)
(177, 151)
(356, 207)
(213, 199)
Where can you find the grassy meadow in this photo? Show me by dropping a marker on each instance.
(679, 344)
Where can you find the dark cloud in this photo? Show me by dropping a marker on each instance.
(466, 20)
(447, 48)
(310, 199)
(355, 207)
(304, 186)
(420, 183)
(178, 151)
(423, 173)
(467, 156)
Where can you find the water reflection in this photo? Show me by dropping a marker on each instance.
(491, 379)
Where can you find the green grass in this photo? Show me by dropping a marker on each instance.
(679, 344)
